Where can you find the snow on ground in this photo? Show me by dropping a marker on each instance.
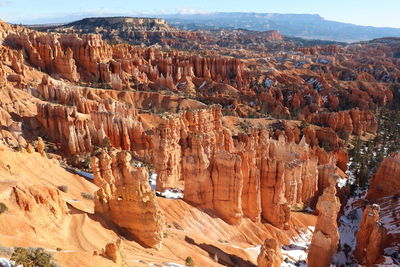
(71, 200)
(153, 180)
(349, 223)
(252, 251)
(341, 182)
(85, 174)
(171, 193)
(390, 211)
(202, 85)
(8, 263)
(295, 254)
(388, 262)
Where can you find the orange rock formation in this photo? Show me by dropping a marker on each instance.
(379, 232)
(125, 197)
(325, 239)
(270, 255)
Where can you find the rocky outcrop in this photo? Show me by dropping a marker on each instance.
(379, 232)
(325, 240)
(270, 254)
(46, 53)
(155, 31)
(370, 237)
(41, 147)
(114, 252)
(100, 63)
(67, 127)
(386, 180)
(346, 122)
(269, 173)
(35, 199)
(125, 197)
(235, 176)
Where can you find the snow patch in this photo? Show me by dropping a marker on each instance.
(84, 174)
(341, 182)
(202, 85)
(153, 180)
(349, 224)
(295, 254)
(171, 193)
(8, 263)
(388, 262)
(267, 84)
(389, 213)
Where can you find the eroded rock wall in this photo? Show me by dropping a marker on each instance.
(125, 197)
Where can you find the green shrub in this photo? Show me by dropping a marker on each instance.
(177, 226)
(3, 207)
(32, 257)
(189, 262)
(63, 188)
(87, 195)
(106, 143)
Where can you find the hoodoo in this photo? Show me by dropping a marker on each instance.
(128, 141)
(125, 197)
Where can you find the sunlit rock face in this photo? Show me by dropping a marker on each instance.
(270, 254)
(125, 197)
(386, 180)
(325, 241)
(379, 234)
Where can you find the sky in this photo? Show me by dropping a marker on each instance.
(382, 13)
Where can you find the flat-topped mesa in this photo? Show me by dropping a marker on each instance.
(386, 180)
(325, 240)
(125, 197)
(130, 24)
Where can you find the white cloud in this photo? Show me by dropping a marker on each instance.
(189, 11)
(4, 3)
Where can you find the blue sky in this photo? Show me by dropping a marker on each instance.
(382, 13)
